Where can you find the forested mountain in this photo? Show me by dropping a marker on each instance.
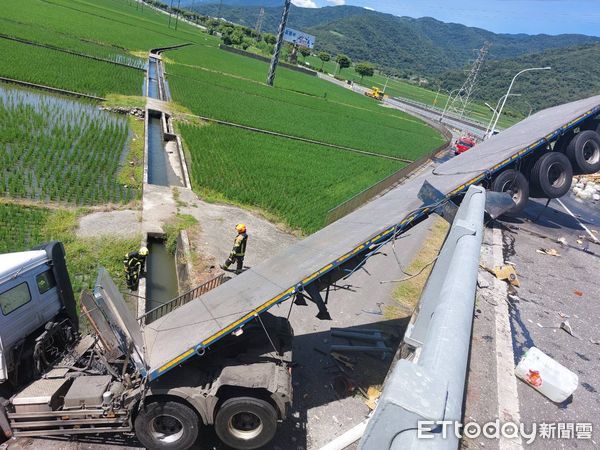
(423, 46)
(259, 3)
(575, 74)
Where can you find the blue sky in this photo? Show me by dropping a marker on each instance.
(500, 16)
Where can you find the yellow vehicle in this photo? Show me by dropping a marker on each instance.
(375, 93)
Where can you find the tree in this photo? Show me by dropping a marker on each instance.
(269, 38)
(343, 61)
(304, 51)
(324, 57)
(364, 69)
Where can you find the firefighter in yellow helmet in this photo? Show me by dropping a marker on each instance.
(239, 249)
(135, 266)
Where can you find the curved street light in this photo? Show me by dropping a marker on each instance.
(448, 101)
(508, 92)
(495, 111)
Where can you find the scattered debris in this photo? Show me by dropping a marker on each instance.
(593, 341)
(379, 312)
(562, 241)
(563, 315)
(579, 241)
(548, 251)
(507, 273)
(343, 359)
(565, 325)
(136, 112)
(578, 293)
(586, 189)
(546, 375)
(373, 395)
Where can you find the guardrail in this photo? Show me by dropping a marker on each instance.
(187, 297)
(431, 386)
(372, 191)
(449, 114)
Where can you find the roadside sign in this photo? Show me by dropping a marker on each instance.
(298, 38)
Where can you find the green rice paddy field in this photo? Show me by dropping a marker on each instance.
(61, 150)
(296, 182)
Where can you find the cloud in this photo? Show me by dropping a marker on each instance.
(369, 8)
(305, 3)
(337, 2)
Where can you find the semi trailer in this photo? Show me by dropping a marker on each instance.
(98, 383)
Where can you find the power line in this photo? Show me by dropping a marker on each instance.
(463, 96)
(259, 21)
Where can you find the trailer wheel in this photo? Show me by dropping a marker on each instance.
(513, 182)
(584, 152)
(551, 175)
(246, 423)
(166, 426)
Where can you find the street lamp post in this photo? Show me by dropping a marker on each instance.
(508, 92)
(386, 83)
(495, 112)
(448, 101)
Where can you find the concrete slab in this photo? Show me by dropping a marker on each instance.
(125, 223)
(159, 208)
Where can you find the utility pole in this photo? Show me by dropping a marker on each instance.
(463, 96)
(177, 15)
(259, 21)
(275, 59)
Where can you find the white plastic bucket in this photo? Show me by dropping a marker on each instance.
(547, 376)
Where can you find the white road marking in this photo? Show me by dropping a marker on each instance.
(587, 230)
(506, 382)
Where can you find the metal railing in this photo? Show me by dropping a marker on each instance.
(431, 387)
(187, 297)
(371, 192)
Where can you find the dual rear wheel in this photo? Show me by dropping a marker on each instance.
(243, 423)
(550, 177)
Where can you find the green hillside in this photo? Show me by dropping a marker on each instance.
(575, 74)
(424, 46)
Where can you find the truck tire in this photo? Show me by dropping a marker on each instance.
(551, 176)
(246, 423)
(584, 152)
(515, 183)
(166, 426)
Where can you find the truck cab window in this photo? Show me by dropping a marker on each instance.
(14, 298)
(45, 281)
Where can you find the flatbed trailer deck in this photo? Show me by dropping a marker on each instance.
(336, 250)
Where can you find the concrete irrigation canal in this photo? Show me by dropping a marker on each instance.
(164, 170)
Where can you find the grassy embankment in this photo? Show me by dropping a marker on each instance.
(404, 89)
(27, 226)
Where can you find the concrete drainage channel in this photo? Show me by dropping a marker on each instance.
(164, 169)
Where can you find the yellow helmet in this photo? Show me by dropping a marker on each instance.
(241, 228)
(143, 251)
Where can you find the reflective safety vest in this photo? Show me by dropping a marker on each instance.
(239, 244)
(134, 259)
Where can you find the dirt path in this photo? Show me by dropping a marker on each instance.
(214, 237)
(124, 223)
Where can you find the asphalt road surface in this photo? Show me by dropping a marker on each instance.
(552, 289)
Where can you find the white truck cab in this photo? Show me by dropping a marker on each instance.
(35, 294)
